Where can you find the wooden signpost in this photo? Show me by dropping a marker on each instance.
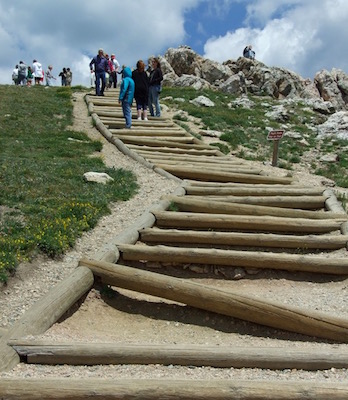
(275, 136)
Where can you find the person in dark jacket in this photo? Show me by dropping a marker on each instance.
(156, 77)
(141, 94)
(99, 64)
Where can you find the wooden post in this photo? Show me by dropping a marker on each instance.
(275, 152)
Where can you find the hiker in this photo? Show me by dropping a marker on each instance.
(68, 78)
(37, 72)
(49, 76)
(248, 52)
(99, 64)
(114, 71)
(15, 74)
(156, 77)
(141, 94)
(22, 74)
(62, 75)
(126, 95)
(29, 76)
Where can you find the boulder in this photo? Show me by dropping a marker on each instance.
(202, 101)
(184, 60)
(335, 127)
(97, 177)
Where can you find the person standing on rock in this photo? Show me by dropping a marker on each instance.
(141, 94)
(248, 52)
(127, 95)
(156, 77)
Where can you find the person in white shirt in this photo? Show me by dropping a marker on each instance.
(15, 75)
(115, 70)
(49, 76)
(37, 72)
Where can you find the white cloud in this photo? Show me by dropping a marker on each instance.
(67, 33)
(305, 37)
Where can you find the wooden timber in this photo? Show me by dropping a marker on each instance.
(220, 176)
(246, 223)
(276, 315)
(162, 143)
(301, 202)
(234, 258)
(155, 235)
(167, 389)
(241, 169)
(252, 191)
(143, 149)
(219, 207)
(148, 131)
(46, 352)
(183, 139)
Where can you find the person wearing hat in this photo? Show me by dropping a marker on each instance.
(99, 64)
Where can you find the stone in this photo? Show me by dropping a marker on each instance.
(202, 101)
(97, 177)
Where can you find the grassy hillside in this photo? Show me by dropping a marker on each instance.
(44, 202)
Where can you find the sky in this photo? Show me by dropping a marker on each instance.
(304, 36)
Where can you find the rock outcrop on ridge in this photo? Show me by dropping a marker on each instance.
(327, 92)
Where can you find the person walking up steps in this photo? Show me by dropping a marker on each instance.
(156, 77)
(126, 95)
(141, 94)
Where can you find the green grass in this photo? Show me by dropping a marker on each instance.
(45, 204)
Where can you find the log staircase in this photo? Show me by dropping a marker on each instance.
(225, 214)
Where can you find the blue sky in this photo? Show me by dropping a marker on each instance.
(304, 36)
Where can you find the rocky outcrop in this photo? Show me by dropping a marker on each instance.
(183, 67)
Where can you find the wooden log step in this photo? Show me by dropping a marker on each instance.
(220, 160)
(167, 164)
(245, 307)
(141, 131)
(325, 242)
(165, 139)
(216, 176)
(162, 143)
(234, 258)
(52, 353)
(301, 202)
(114, 123)
(182, 220)
(210, 184)
(172, 150)
(219, 207)
(253, 191)
(168, 389)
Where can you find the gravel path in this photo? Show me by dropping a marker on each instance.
(124, 317)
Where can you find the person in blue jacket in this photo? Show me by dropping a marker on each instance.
(99, 65)
(126, 95)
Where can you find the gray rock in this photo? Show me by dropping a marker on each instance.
(202, 101)
(98, 177)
